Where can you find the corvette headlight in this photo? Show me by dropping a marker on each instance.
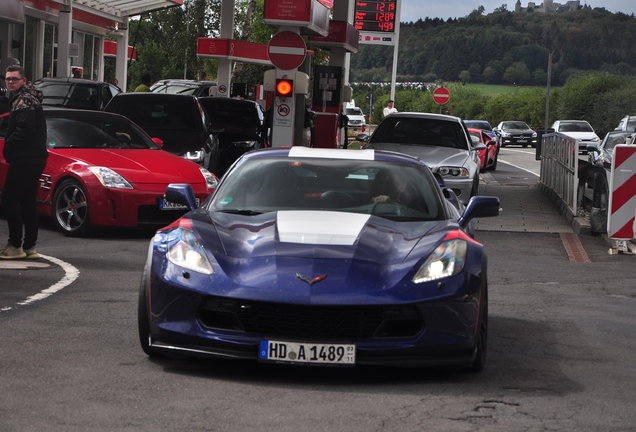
(447, 259)
(210, 179)
(188, 253)
(110, 178)
(453, 171)
(194, 156)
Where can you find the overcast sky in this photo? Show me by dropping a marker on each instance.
(412, 10)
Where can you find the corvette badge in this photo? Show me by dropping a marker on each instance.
(310, 281)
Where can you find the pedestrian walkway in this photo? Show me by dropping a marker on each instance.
(525, 208)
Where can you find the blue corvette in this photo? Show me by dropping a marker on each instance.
(321, 256)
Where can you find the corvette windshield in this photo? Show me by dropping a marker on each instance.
(394, 191)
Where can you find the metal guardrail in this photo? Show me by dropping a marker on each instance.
(559, 167)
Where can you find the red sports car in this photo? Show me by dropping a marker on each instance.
(104, 171)
(488, 156)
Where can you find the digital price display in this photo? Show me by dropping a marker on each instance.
(375, 16)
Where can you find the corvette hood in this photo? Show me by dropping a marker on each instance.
(319, 235)
(137, 166)
(433, 156)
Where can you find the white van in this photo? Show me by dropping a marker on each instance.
(356, 118)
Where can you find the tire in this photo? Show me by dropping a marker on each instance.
(475, 189)
(70, 208)
(493, 167)
(481, 339)
(143, 315)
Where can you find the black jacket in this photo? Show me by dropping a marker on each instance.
(26, 132)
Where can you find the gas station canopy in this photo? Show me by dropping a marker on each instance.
(117, 9)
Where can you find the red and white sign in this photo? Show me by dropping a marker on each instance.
(441, 95)
(247, 52)
(312, 15)
(622, 202)
(287, 50)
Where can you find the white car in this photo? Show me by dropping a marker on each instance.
(579, 130)
(356, 120)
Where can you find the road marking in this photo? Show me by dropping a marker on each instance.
(71, 273)
(518, 167)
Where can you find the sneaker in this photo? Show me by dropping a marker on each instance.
(10, 252)
(31, 253)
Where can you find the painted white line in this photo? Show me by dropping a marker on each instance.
(521, 168)
(71, 274)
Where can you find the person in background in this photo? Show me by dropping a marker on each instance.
(145, 83)
(389, 109)
(115, 82)
(26, 153)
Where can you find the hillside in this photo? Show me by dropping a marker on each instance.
(505, 48)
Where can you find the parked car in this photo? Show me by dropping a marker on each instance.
(296, 259)
(488, 156)
(627, 123)
(178, 120)
(602, 155)
(579, 130)
(76, 93)
(515, 133)
(242, 123)
(441, 141)
(182, 86)
(104, 171)
(356, 120)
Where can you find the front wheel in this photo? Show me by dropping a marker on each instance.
(70, 208)
(143, 314)
(481, 338)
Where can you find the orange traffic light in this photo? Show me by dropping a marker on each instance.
(284, 87)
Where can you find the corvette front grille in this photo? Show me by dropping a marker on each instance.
(288, 320)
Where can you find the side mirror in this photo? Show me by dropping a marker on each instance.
(491, 143)
(364, 138)
(158, 141)
(480, 206)
(181, 193)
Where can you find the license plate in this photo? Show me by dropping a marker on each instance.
(167, 205)
(522, 141)
(292, 352)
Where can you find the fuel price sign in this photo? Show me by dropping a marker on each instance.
(375, 15)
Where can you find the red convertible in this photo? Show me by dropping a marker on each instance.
(488, 156)
(104, 171)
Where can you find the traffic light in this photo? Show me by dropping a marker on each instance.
(284, 87)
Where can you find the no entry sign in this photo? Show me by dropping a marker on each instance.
(441, 95)
(287, 50)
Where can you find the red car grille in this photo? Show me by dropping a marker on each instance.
(310, 322)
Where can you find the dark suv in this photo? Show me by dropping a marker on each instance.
(187, 87)
(76, 93)
(243, 125)
(178, 120)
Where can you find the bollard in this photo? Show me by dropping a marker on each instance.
(598, 216)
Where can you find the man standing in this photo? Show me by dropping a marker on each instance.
(25, 152)
(389, 109)
(145, 83)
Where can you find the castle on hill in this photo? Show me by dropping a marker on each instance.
(548, 6)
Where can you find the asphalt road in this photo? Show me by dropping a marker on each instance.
(561, 348)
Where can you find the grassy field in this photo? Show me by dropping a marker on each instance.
(493, 90)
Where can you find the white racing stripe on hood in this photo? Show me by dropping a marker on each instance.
(320, 227)
(300, 151)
